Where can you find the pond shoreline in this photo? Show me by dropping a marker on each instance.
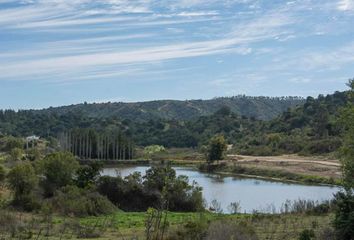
(240, 187)
(265, 175)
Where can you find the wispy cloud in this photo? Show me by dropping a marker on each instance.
(80, 55)
(85, 40)
(346, 5)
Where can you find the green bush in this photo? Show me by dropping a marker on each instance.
(58, 170)
(307, 234)
(2, 173)
(22, 181)
(136, 193)
(323, 146)
(344, 215)
(71, 200)
(9, 143)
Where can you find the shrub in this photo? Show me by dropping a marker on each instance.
(344, 215)
(2, 173)
(23, 180)
(9, 143)
(16, 154)
(307, 235)
(323, 146)
(58, 170)
(160, 185)
(216, 149)
(227, 230)
(71, 200)
(88, 175)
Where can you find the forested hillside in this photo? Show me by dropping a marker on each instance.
(264, 108)
(310, 127)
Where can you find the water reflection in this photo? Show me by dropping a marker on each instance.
(252, 194)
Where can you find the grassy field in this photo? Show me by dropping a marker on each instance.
(131, 225)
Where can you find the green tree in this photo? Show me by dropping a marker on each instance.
(347, 153)
(344, 215)
(88, 175)
(22, 180)
(216, 149)
(2, 173)
(149, 151)
(58, 170)
(16, 154)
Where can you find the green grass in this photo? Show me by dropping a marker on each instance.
(130, 224)
(270, 173)
(284, 226)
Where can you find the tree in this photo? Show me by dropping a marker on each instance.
(58, 170)
(217, 147)
(347, 151)
(344, 215)
(149, 151)
(12, 142)
(16, 154)
(22, 180)
(88, 175)
(2, 173)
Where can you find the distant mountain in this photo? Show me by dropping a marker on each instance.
(263, 108)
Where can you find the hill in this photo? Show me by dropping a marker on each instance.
(264, 108)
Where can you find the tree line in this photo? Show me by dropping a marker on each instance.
(91, 144)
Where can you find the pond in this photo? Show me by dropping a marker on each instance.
(252, 194)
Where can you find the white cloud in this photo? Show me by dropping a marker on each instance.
(346, 5)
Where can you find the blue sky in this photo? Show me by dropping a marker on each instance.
(59, 52)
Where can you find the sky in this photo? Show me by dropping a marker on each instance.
(61, 52)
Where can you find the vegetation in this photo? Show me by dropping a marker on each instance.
(58, 170)
(344, 215)
(158, 186)
(89, 144)
(63, 199)
(71, 200)
(347, 120)
(216, 149)
(309, 128)
(23, 181)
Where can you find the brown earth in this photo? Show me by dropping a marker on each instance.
(316, 166)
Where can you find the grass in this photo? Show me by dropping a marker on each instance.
(284, 175)
(269, 173)
(283, 226)
(126, 225)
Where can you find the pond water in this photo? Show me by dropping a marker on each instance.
(252, 194)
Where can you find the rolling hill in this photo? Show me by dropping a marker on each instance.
(263, 108)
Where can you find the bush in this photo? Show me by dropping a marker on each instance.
(307, 235)
(227, 230)
(71, 200)
(58, 170)
(9, 143)
(160, 185)
(16, 154)
(2, 173)
(344, 215)
(88, 175)
(323, 146)
(192, 230)
(216, 149)
(23, 180)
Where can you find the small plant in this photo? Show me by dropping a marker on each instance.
(215, 206)
(234, 207)
(307, 234)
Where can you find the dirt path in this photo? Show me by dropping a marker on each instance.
(284, 158)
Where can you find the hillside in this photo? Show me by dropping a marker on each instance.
(310, 127)
(264, 108)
